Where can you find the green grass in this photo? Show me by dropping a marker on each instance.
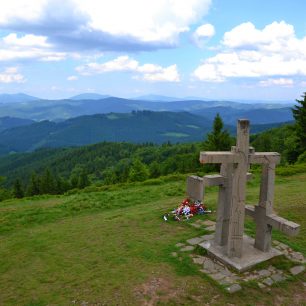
(110, 246)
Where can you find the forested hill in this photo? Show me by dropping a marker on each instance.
(11, 122)
(111, 162)
(135, 127)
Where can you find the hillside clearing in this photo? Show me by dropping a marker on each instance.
(110, 246)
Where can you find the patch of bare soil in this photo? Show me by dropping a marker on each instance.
(155, 290)
(298, 298)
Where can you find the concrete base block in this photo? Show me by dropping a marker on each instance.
(249, 259)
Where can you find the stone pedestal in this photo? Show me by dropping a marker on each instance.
(251, 256)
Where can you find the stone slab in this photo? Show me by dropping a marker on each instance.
(268, 281)
(194, 241)
(208, 237)
(250, 256)
(234, 288)
(187, 248)
(209, 223)
(211, 228)
(278, 277)
(297, 269)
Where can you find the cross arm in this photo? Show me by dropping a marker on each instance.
(218, 179)
(287, 227)
(218, 157)
(264, 158)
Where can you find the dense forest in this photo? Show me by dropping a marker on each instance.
(55, 171)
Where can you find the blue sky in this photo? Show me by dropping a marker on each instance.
(215, 49)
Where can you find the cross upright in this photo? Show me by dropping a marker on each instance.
(235, 165)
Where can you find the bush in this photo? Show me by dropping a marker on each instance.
(291, 169)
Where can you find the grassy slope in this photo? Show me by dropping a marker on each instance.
(109, 245)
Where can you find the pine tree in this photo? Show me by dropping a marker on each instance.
(299, 114)
(17, 189)
(47, 183)
(218, 139)
(139, 171)
(155, 169)
(33, 186)
(83, 180)
(74, 177)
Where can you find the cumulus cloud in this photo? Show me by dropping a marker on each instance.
(29, 46)
(148, 72)
(103, 24)
(274, 51)
(11, 75)
(203, 33)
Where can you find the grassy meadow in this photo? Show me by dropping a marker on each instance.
(109, 245)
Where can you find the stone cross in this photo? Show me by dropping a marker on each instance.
(223, 180)
(231, 205)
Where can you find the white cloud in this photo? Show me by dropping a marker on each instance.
(205, 31)
(72, 78)
(104, 24)
(148, 72)
(276, 82)
(14, 47)
(274, 51)
(28, 40)
(11, 75)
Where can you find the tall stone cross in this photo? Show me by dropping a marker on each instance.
(231, 205)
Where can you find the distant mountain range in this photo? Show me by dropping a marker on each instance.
(58, 110)
(136, 127)
(28, 123)
(15, 98)
(258, 115)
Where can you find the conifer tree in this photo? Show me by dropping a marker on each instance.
(155, 169)
(33, 186)
(219, 139)
(83, 180)
(74, 177)
(47, 183)
(139, 171)
(299, 114)
(17, 189)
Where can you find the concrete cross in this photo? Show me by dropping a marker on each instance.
(224, 181)
(235, 165)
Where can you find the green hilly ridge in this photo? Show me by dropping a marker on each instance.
(135, 127)
(9, 123)
(110, 246)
